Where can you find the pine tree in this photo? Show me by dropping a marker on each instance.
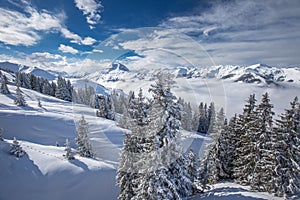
(69, 154)
(16, 149)
(19, 99)
(191, 169)
(102, 111)
(162, 172)
(211, 117)
(3, 85)
(186, 119)
(110, 108)
(203, 119)
(136, 144)
(287, 151)
(63, 89)
(262, 178)
(83, 144)
(227, 148)
(245, 151)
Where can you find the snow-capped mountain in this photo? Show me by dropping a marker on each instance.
(114, 72)
(47, 74)
(258, 73)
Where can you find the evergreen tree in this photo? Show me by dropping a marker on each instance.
(136, 144)
(203, 119)
(287, 151)
(19, 99)
(3, 84)
(110, 108)
(63, 90)
(106, 109)
(262, 177)
(245, 150)
(186, 119)
(227, 148)
(211, 117)
(195, 120)
(191, 169)
(162, 169)
(16, 149)
(219, 122)
(83, 144)
(69, 154)
(102, 111)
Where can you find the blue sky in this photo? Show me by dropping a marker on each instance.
(73, 34)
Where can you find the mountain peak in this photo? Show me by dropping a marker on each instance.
(118, 66)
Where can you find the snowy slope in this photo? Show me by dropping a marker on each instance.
(232, 191)
(43, 173)
(44, 167)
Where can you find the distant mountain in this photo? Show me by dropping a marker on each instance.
(259, 73)
(47, 74)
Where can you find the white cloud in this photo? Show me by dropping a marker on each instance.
(25, 28)
(98, 51)
(88, 41)
(67, 49)
(91, 10)
(231, 31)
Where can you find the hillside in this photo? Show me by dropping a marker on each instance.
(50, 175)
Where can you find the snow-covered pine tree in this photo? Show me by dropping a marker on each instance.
(191, 169)
(136, 144)
(263, 176)
(195, 120)
(46, 88)
(110, 108)
(186, 118)
(53, 89)
(123, 122)
(84, 146)
(16, 149)
(213, 162)
(203, 118)
(287, 151)
(25, 82)
(3, 84)
(245, 150)
(162, 168)
(127, 173)
(69, 153)
(102, 112)
(63, 90)
(227, 148)
(19, 99)
(218, 123)
(211, 117)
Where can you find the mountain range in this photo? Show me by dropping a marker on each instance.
(260, 74)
